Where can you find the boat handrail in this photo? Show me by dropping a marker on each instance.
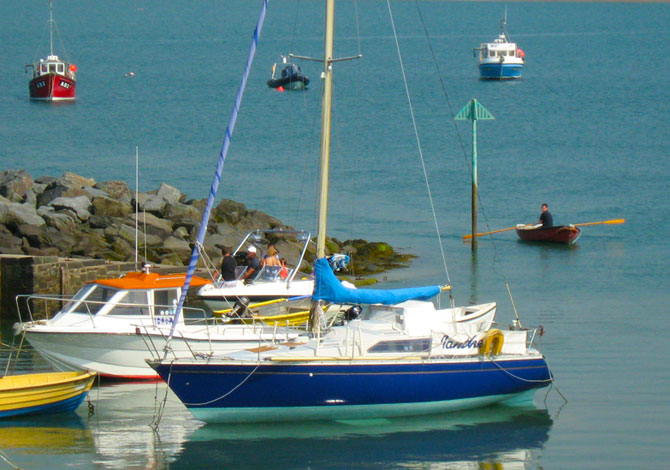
(256, 328)
(26, 298)
(151, 309)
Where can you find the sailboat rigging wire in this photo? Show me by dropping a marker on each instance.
(354, 165)
(209, 264)
(39, 46)
(444, 88)
(460, 138)
(202, 230)
(295, 25)
(219, 397)
(418, 142)
(358, 27)
(60, 40)
(4, 457)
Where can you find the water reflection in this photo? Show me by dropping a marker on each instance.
(119, 435)
(48, 434)
(49, 441)
(122, 431)
(496, 437)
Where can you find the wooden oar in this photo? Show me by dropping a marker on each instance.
(613, 221)
(468, 237)
(609, 222)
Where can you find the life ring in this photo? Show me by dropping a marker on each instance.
(492, 342)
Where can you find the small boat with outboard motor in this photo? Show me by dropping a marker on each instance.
(287, 76)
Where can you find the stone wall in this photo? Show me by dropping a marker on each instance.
(75, 216)
(48, 275)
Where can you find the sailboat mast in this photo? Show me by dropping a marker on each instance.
(325, 126)
(327, 75)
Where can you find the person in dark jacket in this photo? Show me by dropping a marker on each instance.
(228, 265)
(545, 217)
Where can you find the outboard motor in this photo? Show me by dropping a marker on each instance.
(240, 308)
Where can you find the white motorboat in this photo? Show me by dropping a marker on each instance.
(110, 325)
(270, 283)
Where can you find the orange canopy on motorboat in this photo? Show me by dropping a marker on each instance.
(140, 280)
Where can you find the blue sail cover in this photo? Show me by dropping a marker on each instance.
(327, 287)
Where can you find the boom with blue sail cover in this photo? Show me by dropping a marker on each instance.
(328, 288)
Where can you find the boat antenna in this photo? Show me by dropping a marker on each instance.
(137, 191)
(503, 24)
(144, 213)
(515, 323)
(51, 24)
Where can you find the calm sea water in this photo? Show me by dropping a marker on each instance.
(585, 130)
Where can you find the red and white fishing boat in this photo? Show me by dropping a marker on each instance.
(54, 79)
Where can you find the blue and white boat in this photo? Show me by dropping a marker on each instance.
(395, 354)
(402, 359)
(500, 59)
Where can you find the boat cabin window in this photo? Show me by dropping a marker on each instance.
(43, 68)
(90, 299)
(52, 68)
(134, 302)
(403, 345)
(60, 68)
(165, 301)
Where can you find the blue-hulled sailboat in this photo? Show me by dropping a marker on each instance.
(398, 356)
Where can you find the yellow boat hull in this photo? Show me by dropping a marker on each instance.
(51, 392)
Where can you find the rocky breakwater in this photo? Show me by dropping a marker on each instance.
(75, 216)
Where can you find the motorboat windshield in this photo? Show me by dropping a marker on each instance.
(90, 299)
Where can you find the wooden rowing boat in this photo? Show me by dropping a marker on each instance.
(50, 392)
(566, 234)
